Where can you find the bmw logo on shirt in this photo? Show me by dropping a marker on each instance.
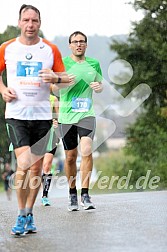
(29, 56)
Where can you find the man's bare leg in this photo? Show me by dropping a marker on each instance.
(21, 178)
(34, 183)
(85, 171)
(71, 172)
(70, 167)
(86, 161)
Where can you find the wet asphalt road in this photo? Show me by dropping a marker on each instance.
(124, 222)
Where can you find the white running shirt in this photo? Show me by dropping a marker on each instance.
(23, 64)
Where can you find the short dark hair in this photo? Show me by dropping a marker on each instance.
(26, 7)
(75, 34)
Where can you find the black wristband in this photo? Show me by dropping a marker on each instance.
(59, 80)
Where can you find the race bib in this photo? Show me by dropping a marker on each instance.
(81, 104)
(28, 69)
(28, 81)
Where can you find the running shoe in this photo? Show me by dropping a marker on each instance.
(73, 202)
(86, 202)
(30, 226)
(45, 201)
(19, 228)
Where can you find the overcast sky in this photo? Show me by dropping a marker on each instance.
(101, 17)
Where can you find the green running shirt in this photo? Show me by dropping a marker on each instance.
(76, 101)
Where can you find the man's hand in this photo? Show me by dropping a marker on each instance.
(67, 78)
(96, 86)
(8, 94)
(48, 76)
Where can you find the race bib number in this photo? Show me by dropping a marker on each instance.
(28, 81)
(28, 69)
(81, 104)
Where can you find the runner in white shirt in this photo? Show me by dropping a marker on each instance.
(28, 114)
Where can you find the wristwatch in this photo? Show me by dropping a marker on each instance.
(59, 80)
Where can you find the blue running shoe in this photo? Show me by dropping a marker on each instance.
(86, 202)
(19, 228)
(73, 202)
(45, 201)
(30, 226)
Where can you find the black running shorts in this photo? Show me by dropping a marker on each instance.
(30, 133)
(70, 132)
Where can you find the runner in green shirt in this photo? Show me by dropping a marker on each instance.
(77, 117)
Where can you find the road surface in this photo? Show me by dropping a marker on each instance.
(122, 222)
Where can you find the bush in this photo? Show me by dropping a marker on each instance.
(119, 173)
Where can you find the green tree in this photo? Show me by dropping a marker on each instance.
(9, 33)
(145, 50)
